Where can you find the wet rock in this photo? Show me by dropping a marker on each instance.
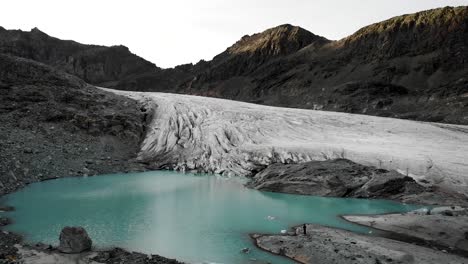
(245, 250)
(74, 240)
(4, 221)
(6, 208)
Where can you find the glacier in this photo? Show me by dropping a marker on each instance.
(194, 133)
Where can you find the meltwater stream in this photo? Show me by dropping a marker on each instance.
(192, 217)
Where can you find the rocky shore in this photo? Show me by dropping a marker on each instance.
(13, 251)
(324, 245)
(444, 228)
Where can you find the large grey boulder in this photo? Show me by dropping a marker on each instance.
(74, 240)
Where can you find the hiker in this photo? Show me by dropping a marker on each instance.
(304, 227)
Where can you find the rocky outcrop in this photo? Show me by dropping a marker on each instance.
(74, 240)
(281, 40)
(338, 178)
(344, 178)
(248, 53)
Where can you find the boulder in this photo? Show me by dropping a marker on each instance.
(4, 221)
(74, 240)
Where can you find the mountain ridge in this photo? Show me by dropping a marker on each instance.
(93, 63)
(411, 66)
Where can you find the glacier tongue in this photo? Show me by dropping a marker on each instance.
(223, 136)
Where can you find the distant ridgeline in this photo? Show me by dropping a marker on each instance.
(412, 66)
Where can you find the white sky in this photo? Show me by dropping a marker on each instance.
(174, 32)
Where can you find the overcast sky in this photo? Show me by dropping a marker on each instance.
(174, 32)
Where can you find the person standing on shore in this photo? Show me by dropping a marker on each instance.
(304, 227)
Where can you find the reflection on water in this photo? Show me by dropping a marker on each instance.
(195, 218)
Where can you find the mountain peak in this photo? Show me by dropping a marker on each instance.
(36, 30)
(281, 40)
(430, 29)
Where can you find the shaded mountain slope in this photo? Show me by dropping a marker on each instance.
(94, 64)
(53, 124)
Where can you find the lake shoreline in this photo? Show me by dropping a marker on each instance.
(386, 235)
(324, 245)
(13, 249)
(15, 241)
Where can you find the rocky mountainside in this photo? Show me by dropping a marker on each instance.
(94, 64)
(250, 52)
(412, 66)
(53, 124)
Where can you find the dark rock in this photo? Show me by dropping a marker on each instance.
(4, 221)
(74, 240)
(245, 250)
(344, 178)
(447, 213)
(118, 256)
(43, 247)
(28, 150)
(7, 208)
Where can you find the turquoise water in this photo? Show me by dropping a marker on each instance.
(192, 217)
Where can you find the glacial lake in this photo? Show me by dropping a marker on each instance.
(196, 218)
